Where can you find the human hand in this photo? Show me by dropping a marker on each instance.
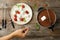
(21, 32)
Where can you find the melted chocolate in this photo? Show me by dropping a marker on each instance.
(46, 22)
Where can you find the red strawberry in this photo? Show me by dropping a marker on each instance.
(23, 6)
(15, 19)
(21, 19)
(15, 16)
(17, 12)
(26, 12)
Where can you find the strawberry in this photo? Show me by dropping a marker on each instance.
(15, 16)
(17, 12)
(26, 12)
(21, 19)
(15, 19)
(23, 6)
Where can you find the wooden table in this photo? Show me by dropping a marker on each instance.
(33, 34)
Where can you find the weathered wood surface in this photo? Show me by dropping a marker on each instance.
(44, 33)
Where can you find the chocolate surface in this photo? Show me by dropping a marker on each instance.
(49, 15)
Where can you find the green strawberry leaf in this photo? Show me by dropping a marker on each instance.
(24, 20)
(18, 6)
(37, 26)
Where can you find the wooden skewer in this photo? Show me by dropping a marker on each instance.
(51, 26)
(4, 22)
(12, 23)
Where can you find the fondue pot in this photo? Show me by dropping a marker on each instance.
(46, 17)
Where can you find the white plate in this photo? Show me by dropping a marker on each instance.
(22, 14)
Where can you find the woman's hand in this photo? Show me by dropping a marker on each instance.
(21, 32)
(18, 33)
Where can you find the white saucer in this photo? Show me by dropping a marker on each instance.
(19, 10)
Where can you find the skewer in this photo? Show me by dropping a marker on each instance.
(4, 22)
(52, 26)
(12, 23)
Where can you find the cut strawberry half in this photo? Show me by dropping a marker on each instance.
(17, 12)
(23, 6)
(15, 16)
(26, 12)
(21, 19)
(15, 19)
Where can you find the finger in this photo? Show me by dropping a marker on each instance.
(25, 29)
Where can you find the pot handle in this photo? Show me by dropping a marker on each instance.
(52, 27)
(40, 9)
